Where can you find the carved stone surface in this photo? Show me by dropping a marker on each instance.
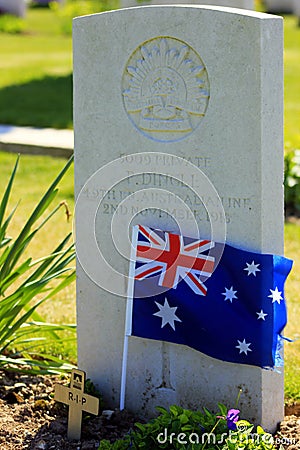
(165, 89)
(237, 145)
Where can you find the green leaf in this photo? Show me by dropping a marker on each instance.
(7, 192)
(25, 237)
(34, 366)
(24, 267)
(4, 256)
(175, 410)
(244, 427)
(20, 323)
(5, 241)
(4, 338)
(161, 409)
(183, 418)
(222, 409)
(207, 412)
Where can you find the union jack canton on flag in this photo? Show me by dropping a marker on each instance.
(233, 309)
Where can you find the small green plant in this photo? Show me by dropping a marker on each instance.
(292, 181)
(245, 438)
(25, 283)
(11, 24)
(179, 428)
(171, 428)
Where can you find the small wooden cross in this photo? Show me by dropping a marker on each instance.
(77, 400)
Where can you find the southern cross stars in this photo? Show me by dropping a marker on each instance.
(229, 294)
(252, 268)
(276, 296)
(244, 347)
(167, 314)
(261, 315)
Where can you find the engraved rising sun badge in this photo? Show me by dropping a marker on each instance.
(165, 89)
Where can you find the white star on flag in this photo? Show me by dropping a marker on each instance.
(261, 315)
(243, 347)
(167, 314)
(252, 268)
(275, 296)
(229, 294)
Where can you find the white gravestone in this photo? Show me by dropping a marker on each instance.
(296, 9)
(203, 84)
(14, 7)
(279, 6)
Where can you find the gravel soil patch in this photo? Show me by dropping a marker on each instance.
(31, 419)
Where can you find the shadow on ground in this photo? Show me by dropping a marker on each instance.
(45, 102)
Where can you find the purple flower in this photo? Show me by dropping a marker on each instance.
(232, 417)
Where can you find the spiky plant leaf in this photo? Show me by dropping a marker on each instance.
(29, 283)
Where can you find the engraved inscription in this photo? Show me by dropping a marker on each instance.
(165, 89)
(163, 160)
(111, 203)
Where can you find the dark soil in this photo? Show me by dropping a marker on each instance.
(31, 419)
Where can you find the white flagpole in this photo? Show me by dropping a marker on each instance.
(128, 318)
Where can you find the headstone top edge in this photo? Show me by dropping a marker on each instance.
(204, 7)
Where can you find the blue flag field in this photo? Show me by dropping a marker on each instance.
(234, 311)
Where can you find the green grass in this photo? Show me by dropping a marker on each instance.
(34, 175)
(36, 75)
(292, 331)
(291, 83)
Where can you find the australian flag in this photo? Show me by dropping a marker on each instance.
(220, 300)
